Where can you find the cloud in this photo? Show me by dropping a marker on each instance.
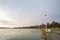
(5, 23)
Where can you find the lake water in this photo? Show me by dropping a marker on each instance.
(19, 34)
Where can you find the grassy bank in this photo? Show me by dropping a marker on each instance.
(55, 29)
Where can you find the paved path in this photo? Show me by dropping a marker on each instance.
(53, 36)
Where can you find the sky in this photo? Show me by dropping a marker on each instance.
(14, 13)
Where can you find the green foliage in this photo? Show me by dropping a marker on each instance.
(54, 25)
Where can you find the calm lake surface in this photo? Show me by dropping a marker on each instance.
(19, 34)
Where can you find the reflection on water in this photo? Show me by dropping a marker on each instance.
(19, 34)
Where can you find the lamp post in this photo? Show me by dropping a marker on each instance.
(43, 31)
(46, 28)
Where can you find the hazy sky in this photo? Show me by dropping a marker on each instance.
(28, 12)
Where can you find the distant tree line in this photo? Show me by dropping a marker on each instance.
(53, 25)
(49, 25)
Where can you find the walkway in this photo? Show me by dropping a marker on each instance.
(53, 36)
